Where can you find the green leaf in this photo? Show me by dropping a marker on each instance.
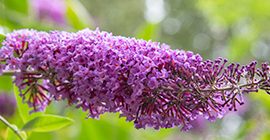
(6, 83)
(265, 136)
(12, 136)
(263, 98)
(2, 38)
(22, 134)
(240, 43)
(23, 108)
(148, 31)
(245, 129)
(17, 5)
(47, 123)
(77, 15)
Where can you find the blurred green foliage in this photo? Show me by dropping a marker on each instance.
(243, 20)
(237, 30)
(23, 109)
(46, 123)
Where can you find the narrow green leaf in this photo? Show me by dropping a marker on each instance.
(148, 31)
(77, 15)
(47, 123)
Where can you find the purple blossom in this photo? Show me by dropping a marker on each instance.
(7, 105)
(147, 82)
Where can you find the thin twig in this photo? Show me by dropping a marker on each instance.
(16, 131)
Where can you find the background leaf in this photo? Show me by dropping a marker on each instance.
(6, 83)
(148, 31)
(47, 123)
(17, 5)
(2, 38)
(77, 15)
(23, 108)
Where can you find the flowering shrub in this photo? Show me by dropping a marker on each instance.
(147, 82)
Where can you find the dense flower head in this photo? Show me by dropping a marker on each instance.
(147, 82)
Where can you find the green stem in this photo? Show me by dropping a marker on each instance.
(15, 130)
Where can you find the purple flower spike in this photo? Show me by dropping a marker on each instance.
(147, 82)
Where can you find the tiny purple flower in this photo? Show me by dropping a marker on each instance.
(153, 83)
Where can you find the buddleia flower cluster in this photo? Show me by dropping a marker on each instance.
(146, 82)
